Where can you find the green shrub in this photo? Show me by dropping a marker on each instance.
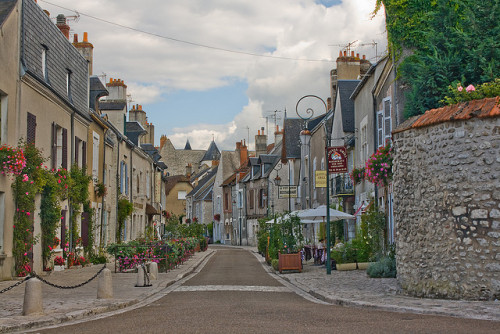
(385, 267)
(203, 244)
(98, 259)
(275, 264)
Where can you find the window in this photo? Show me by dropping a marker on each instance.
(31, 129)
(240, 199)
(363, 154)
(218, 204)
(262, 198)
(181, 194)
(123, 178)
(251, 199)
(95, 156)
(59, 154)
(45, 51)
(384, 122)
(3, 116)
(226, 201)
(68, 84)
(148, 184)
(77, 151)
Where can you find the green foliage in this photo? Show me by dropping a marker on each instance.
(203, 244)
(210, 229)
(98, 259)
(449, 40)
(275, 264)
(285, 236)
(457, 93)
(125, 209)
(78, 195)
(50, 215)
(262, 235)
(372, 230)
(385, 267)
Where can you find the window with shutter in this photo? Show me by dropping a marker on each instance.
(126, 179)
(380, 128)
(387, 120)
(122, 178)
(64, 162)
(77, 151)
(31, 129)
(84, 154)
(251, 198)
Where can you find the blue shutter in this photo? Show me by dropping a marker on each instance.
(121, 178)
(126, 179)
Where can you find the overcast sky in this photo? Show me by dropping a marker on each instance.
(191, 64)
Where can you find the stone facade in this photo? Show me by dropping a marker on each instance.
(447, 207)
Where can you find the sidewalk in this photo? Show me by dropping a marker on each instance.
(356, 289)
(61, 305)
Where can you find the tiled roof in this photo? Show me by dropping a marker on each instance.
(489, 107)
(97, 90)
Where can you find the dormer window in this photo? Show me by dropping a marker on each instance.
(45, 73)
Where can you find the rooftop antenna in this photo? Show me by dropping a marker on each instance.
(248, 139)
(375, 44)
(346, 47)
(129, 100)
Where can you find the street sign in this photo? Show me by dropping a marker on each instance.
(288, 192)
(337, 159)
(320, 179)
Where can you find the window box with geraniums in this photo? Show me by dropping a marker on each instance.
(378, 169)
(100, 190)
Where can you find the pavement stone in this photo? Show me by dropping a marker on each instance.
(348, 288)
(61, 305)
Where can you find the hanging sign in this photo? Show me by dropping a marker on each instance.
(288, 192)
(337, 159)
(320, 179)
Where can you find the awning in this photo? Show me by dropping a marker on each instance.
(150, 210)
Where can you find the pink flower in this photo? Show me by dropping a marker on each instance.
(470, 88)
(27, 213)
(460, 88)
(27, 193)
(25, 178)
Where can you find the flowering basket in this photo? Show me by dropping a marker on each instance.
(217, 217)
(378, 169)
(59, 261)
(12, 160)
(357, 175)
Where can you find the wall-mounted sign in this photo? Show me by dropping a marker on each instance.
(287, 192)
(320, 179)
(337, 159)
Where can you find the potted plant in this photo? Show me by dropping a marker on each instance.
(59, 263)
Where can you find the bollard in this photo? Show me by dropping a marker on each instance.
(140, 276)
(105, 285)
(153, 271)
(33, 303)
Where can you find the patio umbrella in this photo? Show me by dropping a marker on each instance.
(319, 215)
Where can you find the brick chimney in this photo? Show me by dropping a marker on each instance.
(163, 140)
(242, 151)
(86, 49)
(61, 24)
(117, 90)
(278, 135)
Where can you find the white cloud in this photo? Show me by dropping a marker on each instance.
(151, 65)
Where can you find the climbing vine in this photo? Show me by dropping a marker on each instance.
(438, 42)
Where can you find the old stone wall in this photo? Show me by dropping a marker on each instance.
(447, 209)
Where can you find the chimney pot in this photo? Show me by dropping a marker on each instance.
(75, 38)
(352, 54)
(340, 53)
(364, 57)
(85, 37)
(357, 55)
(345, 53)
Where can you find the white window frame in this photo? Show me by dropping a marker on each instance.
(384, 122)
(181, 194)
(95, 155)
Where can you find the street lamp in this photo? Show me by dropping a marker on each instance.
(310, 112)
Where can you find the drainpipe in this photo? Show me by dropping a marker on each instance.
(101, 241)
(118, 188)
(375, 136)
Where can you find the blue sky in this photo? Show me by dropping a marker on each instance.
(214, 68)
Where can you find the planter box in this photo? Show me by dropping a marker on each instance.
(58, 268)
(353, 266)
(290, 262)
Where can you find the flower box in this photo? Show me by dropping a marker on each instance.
(353, 266)
(58, 268)
(291, 261)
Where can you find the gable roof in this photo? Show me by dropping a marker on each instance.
(204, 182)
(292, 128)
(173, 180)
(6, 7)
(345, 88)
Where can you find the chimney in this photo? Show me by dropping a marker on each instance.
(278, 136)
(329, 103)
(117, 90)
(163, 140)
(243, 152)
(86, 49)
(189, 169)
(260, 143)
(61, 24)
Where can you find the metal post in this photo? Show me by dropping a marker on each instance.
(328, 242)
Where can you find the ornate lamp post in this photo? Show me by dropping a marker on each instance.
(309, 114)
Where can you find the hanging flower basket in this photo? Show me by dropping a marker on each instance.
(357, 175)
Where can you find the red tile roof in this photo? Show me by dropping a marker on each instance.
(488, 107)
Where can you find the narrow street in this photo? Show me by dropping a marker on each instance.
(233, 293)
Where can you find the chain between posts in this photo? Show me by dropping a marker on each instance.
(70, 287)
(14, 285)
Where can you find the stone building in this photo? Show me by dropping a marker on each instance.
(447, 201)
(178, 160)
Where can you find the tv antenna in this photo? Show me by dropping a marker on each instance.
(375, 44)
(346, 47)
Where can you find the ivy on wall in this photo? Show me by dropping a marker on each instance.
(441, 42)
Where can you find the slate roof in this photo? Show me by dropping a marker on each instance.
(212, 153)
(112, 105)
(38, 32)
(97, 90)
(152, 151)
(489, 107)
(292, 128)
(210, 177)
(345, 89)
(188, 145)
(6, 7)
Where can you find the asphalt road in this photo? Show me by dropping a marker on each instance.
(234, 294)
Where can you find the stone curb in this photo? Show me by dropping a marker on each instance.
(115, 306)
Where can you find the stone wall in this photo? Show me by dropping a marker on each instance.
(447, 209)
